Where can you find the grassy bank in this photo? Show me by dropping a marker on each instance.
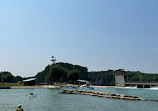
(10, 84)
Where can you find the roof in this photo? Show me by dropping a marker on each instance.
(31, 79)
(82, 80)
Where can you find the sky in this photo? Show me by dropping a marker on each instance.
(97, 34)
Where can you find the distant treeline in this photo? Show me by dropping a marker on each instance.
(137, 76)
(69, 73)
(8, 77)
(108, 77)
(102, 77)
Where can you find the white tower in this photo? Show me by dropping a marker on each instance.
(119, 78)
(53, 59)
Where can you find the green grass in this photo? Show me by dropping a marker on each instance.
(10, 84)
(60, 83)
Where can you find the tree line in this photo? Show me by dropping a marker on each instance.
(62, 72)
(69, 73)
(6, 76)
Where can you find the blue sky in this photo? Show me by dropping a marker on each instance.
(98, 34)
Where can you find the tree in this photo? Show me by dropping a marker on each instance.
(16, 79)
(73, 76)
(56, 72)
(41, 77)
(4, 78)
(7, 78)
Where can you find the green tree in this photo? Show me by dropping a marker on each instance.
(16, 79)
(41, 77)
(4, 78)
(73, 76)
(56, 72)
(7, 78)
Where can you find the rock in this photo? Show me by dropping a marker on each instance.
(102, 94)
(127, 96)
(154, 100)
(134, 96)
(122, 97)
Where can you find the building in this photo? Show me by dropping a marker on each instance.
(29, 82)
(119, 78)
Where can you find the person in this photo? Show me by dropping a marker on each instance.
(32, 95)
(19, 108)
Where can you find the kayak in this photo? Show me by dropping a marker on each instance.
(31, 96)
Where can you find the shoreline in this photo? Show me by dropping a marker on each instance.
(25, 87)
(33, 87)
(51, 86)
(104, 86)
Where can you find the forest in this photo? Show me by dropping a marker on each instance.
(6, 76)
(69, 73)
(63, 73)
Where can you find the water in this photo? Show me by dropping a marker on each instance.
(50, 100)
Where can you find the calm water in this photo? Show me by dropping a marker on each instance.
(50, 100)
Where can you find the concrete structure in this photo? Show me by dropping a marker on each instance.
(119, 78)
(29, 82)
(120, 81)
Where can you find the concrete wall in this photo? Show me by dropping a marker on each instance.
(119, 78)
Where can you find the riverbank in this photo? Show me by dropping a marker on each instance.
(50, 86)
(34, 87)
(25, 87)
(104, 86)
(72, 85)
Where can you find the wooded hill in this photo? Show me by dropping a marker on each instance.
(6, 76)
(62, 72)
(69, 73)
